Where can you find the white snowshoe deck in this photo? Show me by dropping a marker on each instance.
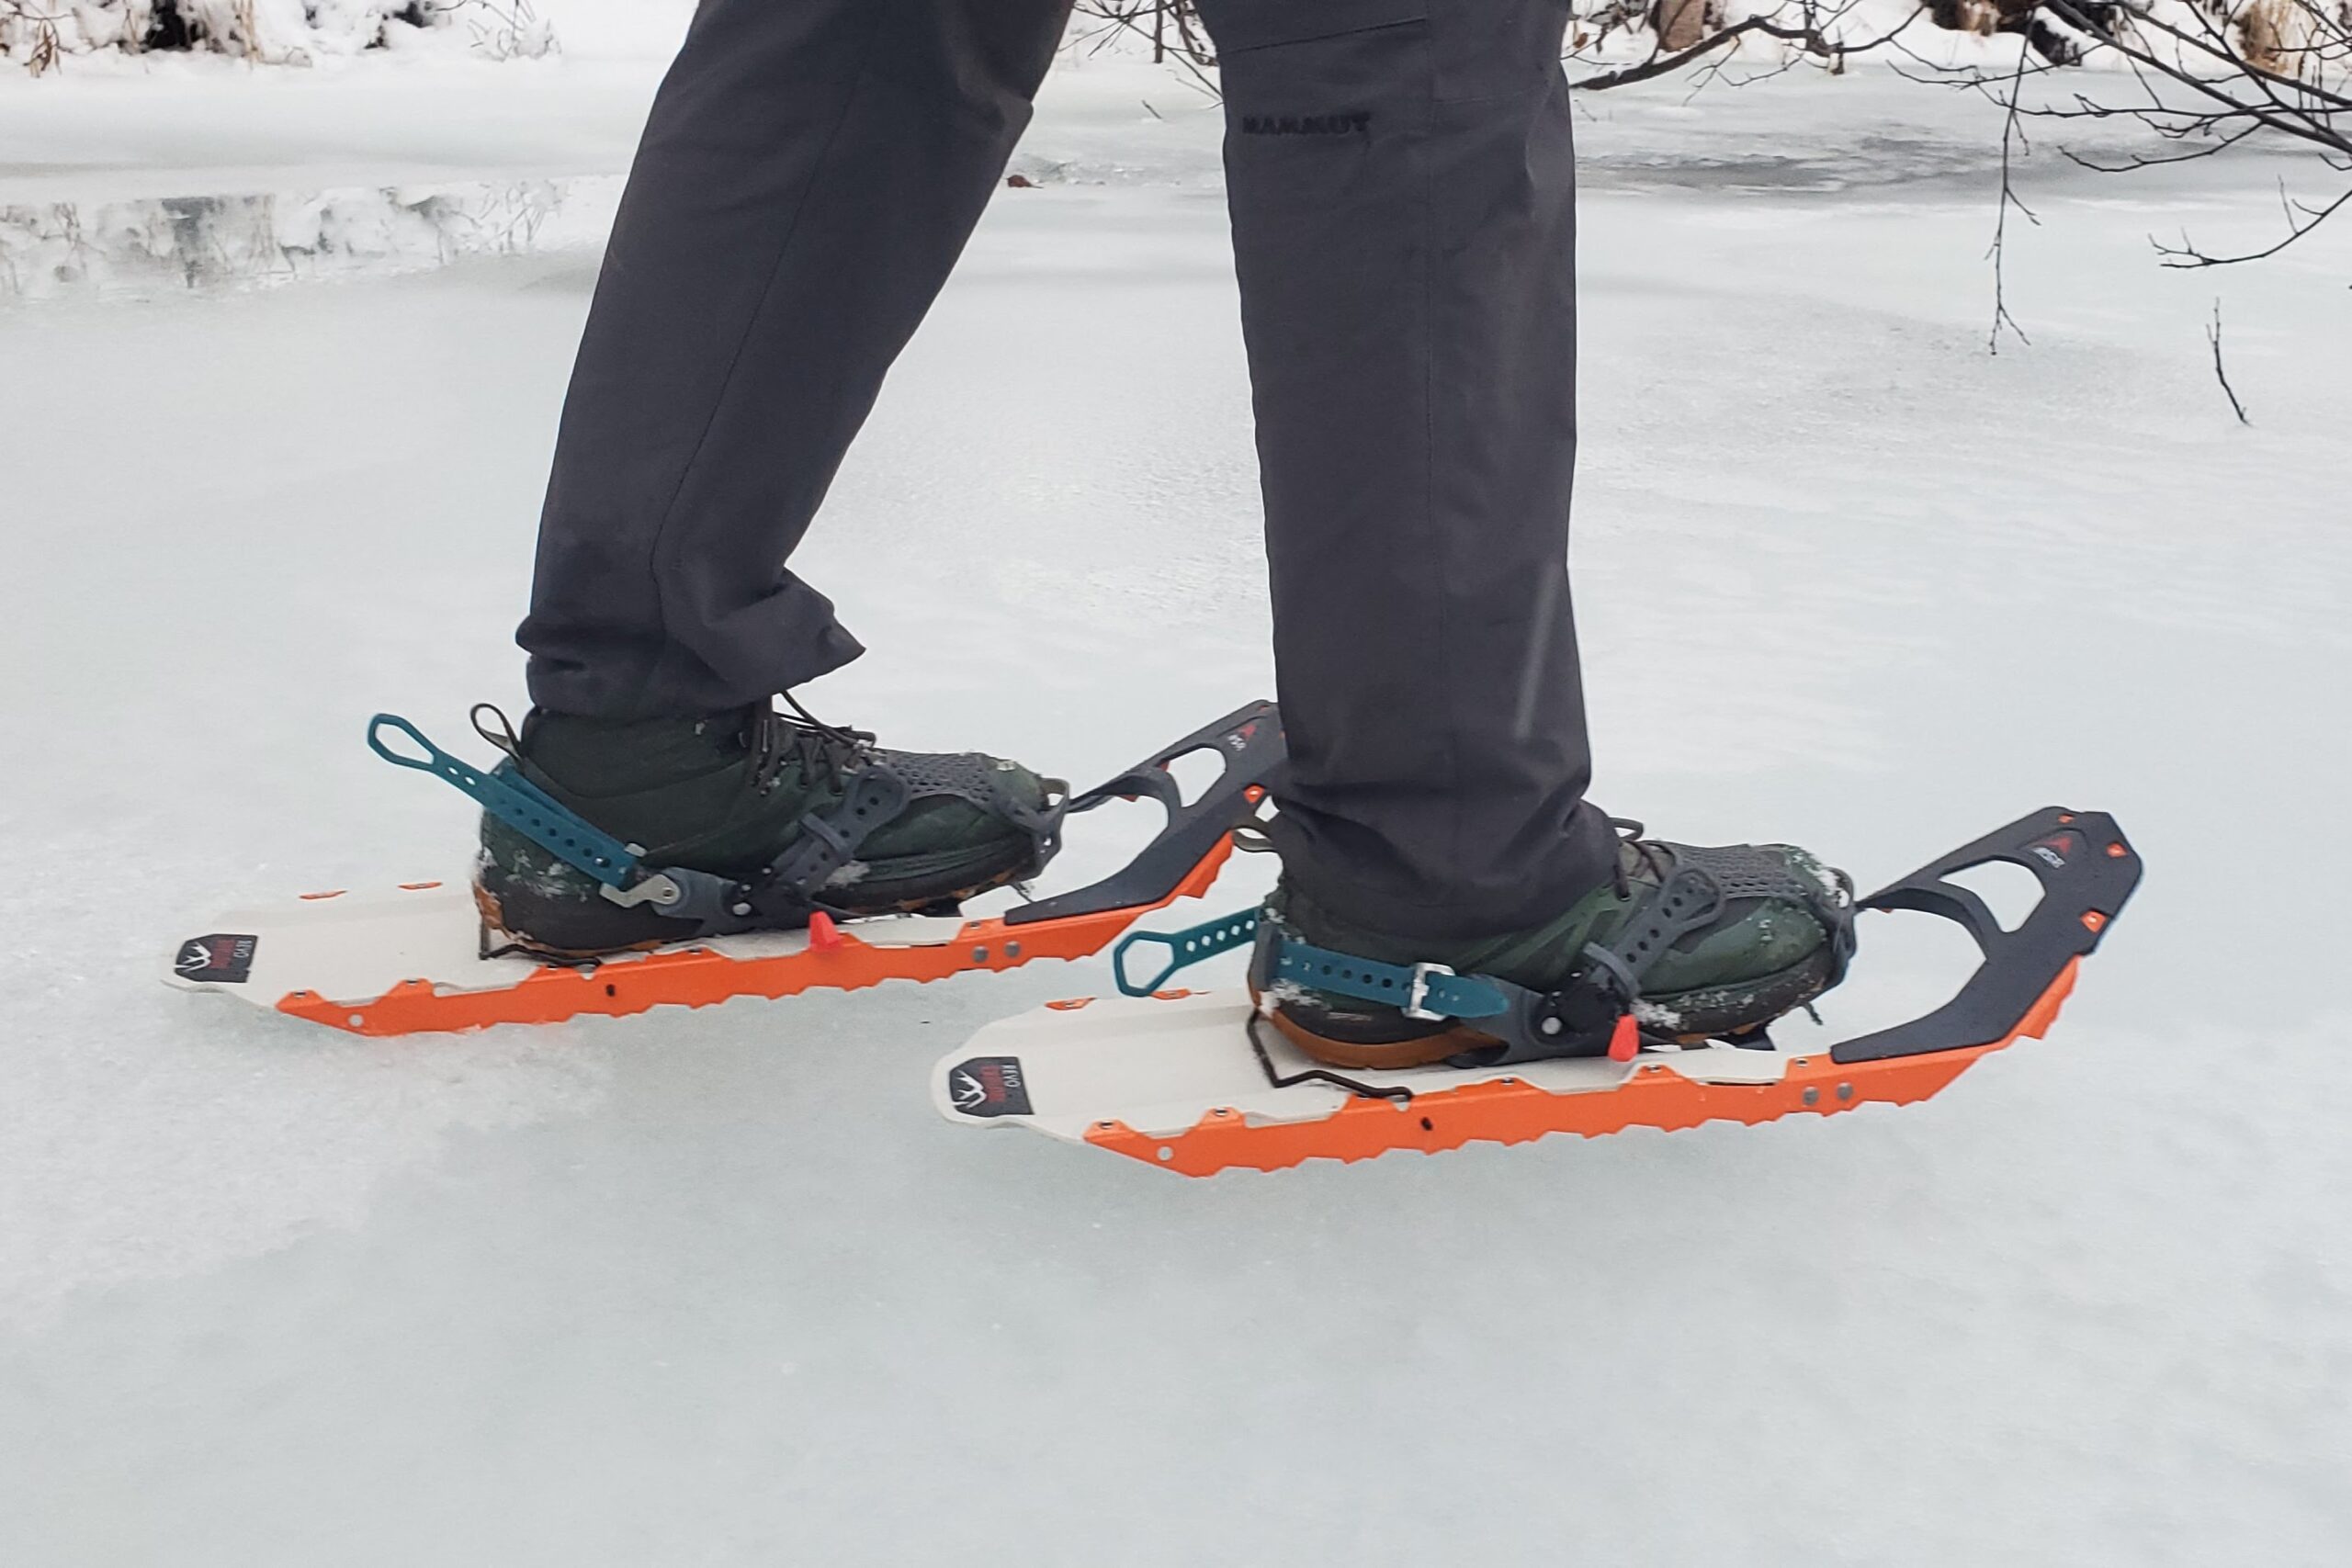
(1173, 1081)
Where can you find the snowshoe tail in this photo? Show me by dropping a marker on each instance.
(1199, 1083)
(413, 959)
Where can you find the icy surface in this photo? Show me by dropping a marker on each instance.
(717, 1287)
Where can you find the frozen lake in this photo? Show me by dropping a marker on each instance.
(717, 1287)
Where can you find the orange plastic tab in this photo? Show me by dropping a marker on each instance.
(1511, 1111)
(698, 976)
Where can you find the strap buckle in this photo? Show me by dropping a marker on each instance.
(1416, 993)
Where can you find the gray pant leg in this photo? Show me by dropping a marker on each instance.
(810, 171)
(1402, 205)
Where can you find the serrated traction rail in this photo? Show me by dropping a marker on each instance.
(1511, 1111)
(705, 974)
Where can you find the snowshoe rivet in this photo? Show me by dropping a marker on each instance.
(1549, 1026)
(1012, 950)
(1813, 1096)
(357, 1020)
(979, 955)
(1167, 1153)
(1845, 1091)
(743, 908)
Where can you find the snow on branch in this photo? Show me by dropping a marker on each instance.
(42, 35)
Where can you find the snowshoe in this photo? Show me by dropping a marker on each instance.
(1199, 1083)
(419, 957)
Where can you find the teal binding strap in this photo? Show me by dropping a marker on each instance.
(1581, 1018)
(1429, 991)
(1421, 990)
(517, 802)
(1185, 948)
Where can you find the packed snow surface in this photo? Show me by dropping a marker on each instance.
(717, 1287)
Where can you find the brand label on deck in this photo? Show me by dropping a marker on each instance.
(221, 958)
(988, 1086)
(2056, 849)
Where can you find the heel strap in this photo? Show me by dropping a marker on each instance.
(1591, 1015)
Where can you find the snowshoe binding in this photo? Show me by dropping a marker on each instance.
(1691, 943)
(793, 815)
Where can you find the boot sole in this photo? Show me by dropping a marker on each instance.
(610, 930)
(1372, 1056)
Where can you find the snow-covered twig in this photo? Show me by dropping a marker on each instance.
(512, 30)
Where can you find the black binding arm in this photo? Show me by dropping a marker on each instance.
(1249, 740)
(2087, 870)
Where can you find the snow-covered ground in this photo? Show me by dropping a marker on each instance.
(717, 1287)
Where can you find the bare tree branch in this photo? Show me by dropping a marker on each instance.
(2214, 337)
(2012, 135)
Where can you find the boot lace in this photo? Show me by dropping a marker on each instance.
(1652, 857)
(825, 754)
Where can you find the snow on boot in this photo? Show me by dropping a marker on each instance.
(771, 801)
(1775, 929)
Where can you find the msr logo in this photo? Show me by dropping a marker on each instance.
(1305, 124)
(988, 1086)
(221, 959)
(2055, 850)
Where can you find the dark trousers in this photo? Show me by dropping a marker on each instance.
(1402, 199)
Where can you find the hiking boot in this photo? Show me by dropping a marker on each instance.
(729, 793)
(1779, 936)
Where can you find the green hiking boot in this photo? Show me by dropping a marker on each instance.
(1780, 935)
(731, 794)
